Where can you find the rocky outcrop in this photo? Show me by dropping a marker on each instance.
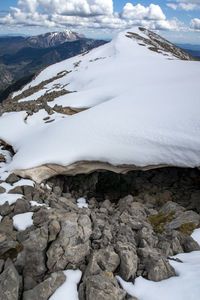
(117, 234)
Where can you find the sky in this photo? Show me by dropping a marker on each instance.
(177, 20)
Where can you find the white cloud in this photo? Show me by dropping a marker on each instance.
(185, 5)
(140, 12)
(86, 14)
(195, 24)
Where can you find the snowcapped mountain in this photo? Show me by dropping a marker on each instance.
(130, 104)
(52, 39)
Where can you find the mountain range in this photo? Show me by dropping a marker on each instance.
(22, 57)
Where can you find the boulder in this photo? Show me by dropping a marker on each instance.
(2, 190)
(16, 190)
(184, 217)
(12, 178)
(21, 206)
(128, 260)
(46, 288)
(9, 283)
(156, 265)
(103, 287)
(72, 244)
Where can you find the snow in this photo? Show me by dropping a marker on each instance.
(34, 96)
(182, 287)
(34, 203)
(22, 221)
(143, 110)
(81, 203)
(69, 289)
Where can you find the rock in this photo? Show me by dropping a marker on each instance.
(32, 260)
(1, 265)
(2, 158)
(170, 206)
(9, 283)
(46, 288)
(188, 244)
(128, 260)
(5, 209)
(54, 229)
(10, 249)
(6, 230)
(102, 260)
(64, 203)
(16, 190)
(2, 190)
(12, 178)
(72, 244)
(184, 217)
(28, 191)
(136, 209)
(103, 287)
(21, 206)
(156, 265)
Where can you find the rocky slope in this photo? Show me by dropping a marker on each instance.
(131, 225)
(21, 57)
(86, 233)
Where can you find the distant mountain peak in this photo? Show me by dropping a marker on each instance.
(52, 39)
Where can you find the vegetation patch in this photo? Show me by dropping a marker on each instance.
(160, 220)
(187, 228)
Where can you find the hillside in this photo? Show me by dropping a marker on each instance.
(21, 57)
(99, 176)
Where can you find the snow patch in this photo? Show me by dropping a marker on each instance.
(22, 221)
(81, 203)
(69, 289)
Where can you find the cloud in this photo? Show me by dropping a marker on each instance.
(195, 24)
(140, 12)
(185, 5)
(86, 14)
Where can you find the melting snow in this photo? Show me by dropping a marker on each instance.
(69, 289)
(22, 221)
(182, 287)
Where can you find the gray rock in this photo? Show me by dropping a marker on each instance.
(128, 260)
(1, 265)
(16, 190)
(2, 190)
(28, 191)
(9, 283)
(21, 206)
(171, 206)
(32, 260)
(184, 217)
(156, 265)
(12, 178)
(136, 209)
(5, 209)
(103, 287)
(188, 244)
(54, 229)
(46, 288)
(2, 158)
(102, 260)
(72, 244)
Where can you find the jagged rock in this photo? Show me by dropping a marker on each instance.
(103, 287)
(169, 243)
(2, 190)
(16, 190)
(146, 236)
(188, 244)
(184, 217)
(156, 265)
(2, 158)
(1, 265)
(6, 230)
(138, 210)
(46, 288)
(5, 209)
(9, 283)
(72, 244)
(28, 191)
(10, 249)
(128, 260)
(102, 260)
(12, 178)
(32, 260)
(21, 206)
(171, 207)
(54, 229)
(64, 203)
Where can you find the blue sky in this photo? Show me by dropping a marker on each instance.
(177, 20)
